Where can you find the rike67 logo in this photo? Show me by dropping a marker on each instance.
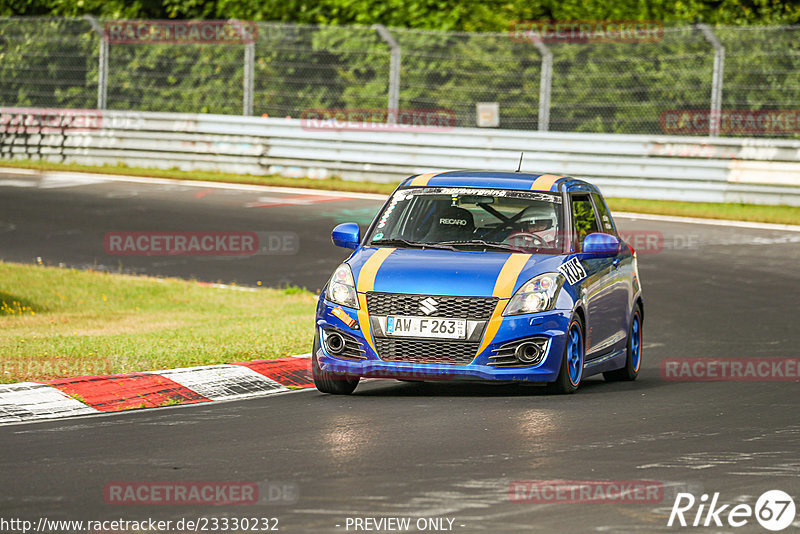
(774, 510)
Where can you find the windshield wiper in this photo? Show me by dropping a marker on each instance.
(487, 244)
(413, 244)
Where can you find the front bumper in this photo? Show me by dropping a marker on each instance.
(551, 325)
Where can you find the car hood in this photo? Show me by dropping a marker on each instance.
(444, 272)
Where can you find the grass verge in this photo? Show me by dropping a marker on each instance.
(704, 210)
(63, 322)
(709, 210)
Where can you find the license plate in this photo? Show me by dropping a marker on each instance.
(435, 327)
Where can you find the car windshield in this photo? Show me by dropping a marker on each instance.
(470, 218)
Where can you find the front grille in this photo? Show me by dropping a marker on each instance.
(416, 351)
(476, 308)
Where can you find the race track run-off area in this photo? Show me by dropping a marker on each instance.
(457, 457)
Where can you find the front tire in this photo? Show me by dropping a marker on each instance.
(571, 373)
(328, 382)
(633, 362)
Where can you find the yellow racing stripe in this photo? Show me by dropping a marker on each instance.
(422, 179)
(508, 275)
(503, 288)
(545, 182)
(366, 282)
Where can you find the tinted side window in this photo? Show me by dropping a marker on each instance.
(606, 222)
(583, 218)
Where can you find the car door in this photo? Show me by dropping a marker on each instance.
(599, 286)
(621, 290)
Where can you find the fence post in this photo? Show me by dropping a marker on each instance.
(394, 72)
(102, 67)
(249, 66)
(545, 83)
(716, 80)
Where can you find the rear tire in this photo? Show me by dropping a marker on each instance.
(571, 372)
(327, 382)
(633, 362)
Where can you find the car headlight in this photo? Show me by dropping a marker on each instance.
(536, 295)
(342, 287)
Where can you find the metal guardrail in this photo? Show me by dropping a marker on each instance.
(757, 171)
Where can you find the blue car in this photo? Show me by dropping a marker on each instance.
(492, 276)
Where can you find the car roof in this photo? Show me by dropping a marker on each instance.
(523, 181)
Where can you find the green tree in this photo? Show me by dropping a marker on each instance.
(450, 15)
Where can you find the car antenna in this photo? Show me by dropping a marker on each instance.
(519, 167)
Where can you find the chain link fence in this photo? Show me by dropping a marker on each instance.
(676, 84)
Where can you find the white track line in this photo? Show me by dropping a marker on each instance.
(373, 196)
(717, 222)
(224, 185)
(14, 170)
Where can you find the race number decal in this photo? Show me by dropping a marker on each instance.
(573, 270)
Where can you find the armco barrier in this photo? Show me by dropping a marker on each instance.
(756, 171)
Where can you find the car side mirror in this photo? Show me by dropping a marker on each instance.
(601, 245)
(346, 235)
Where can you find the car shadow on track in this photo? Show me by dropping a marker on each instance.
(592, 386)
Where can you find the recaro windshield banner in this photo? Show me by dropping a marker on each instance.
(404, 194)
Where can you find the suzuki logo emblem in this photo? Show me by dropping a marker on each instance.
(428, 306)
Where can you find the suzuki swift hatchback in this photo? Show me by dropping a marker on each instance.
(486, 276)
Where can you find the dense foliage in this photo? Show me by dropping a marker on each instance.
(468, 15)
(596, 87)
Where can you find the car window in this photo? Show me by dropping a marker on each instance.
(606, 222)
(522, 220)
(583, 218)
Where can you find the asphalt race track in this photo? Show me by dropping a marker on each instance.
(420, 450)
(61, 221)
